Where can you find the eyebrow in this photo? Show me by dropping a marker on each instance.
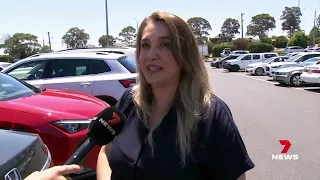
(161, 38)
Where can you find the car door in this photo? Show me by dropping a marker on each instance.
(70, 74)
(246, 59)
(32, 72)
(256, 58)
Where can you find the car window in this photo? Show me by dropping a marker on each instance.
(11, 88)
(128, 64)
(255, 57)
(29, 71)
(69, 67)
(99, 66)
(266, 56)
(246, 57)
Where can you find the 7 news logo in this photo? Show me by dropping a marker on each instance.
(284, 153)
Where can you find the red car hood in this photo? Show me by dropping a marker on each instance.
(57, 104)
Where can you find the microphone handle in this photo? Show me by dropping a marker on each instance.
(81, 152)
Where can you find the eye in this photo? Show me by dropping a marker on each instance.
(165, 45)
(144, 45)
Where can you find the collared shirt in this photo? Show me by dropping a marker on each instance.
(218, 152)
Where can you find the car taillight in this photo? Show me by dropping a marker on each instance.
(316, 71)
(127, 82)
(305, 70)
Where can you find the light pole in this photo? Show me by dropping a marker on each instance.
(242, 25)
(137, 23)
(107, 24)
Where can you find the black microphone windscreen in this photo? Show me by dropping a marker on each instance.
(106, 125)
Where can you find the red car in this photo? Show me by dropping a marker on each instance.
(59, 117)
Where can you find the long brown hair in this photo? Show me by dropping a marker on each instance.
(193, 94)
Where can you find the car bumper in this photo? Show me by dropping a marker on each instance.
(310, 78)
(281, 79)
(226, 66)
(250, 70)
(270, 72)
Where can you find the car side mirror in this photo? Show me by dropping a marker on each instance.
(13, 174)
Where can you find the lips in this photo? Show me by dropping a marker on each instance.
(154, 68)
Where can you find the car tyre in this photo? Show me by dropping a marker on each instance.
(295, 80)
(259, 71)
(234, 68)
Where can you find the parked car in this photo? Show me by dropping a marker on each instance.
(244, 60)
(311, 74)
(130, 52)
(291, 62)
(59, 117)
(291, 75)
(259, 69)
(291, 54)
(219, 63)
(225, 52)
(103, 75)
(4, 65)
(292, 49)
(21, 154)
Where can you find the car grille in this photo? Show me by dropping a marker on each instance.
(267, 68)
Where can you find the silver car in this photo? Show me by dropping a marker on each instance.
(291, 75)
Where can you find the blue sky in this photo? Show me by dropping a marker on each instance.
(40, 16)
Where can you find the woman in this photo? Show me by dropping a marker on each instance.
(178, 129)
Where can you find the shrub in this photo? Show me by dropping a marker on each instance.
(260, 47)
(5, 58)
(299, 39)
(218, 48)
(241, 44)
(266, 40)
(280, 52)
(281, 42)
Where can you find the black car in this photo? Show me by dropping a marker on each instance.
(21, 154)
(219, 63)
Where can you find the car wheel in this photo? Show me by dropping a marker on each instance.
(234, 68)
(259, 71)
(295, 80)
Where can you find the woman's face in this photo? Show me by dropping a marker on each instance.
(156, 60)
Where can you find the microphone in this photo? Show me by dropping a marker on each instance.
(101, 130)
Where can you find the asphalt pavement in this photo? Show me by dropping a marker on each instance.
(266, 113)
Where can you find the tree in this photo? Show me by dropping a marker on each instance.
(230, 27)
(45, 49)
(260, 25)
(103, 40)
(299, 39)
(128, 34)
(20, 45)
(75, 38)
(313, 35)
(200, 28)
(291, 20)
(241, 44)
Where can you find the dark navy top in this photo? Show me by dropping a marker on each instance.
(218, 152)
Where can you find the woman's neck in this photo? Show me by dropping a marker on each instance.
(163, 96)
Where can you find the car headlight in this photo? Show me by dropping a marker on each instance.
(281, 73)
(72, 126)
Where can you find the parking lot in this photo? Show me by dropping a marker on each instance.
(266, 113)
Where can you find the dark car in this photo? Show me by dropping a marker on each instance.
(219, 63)
(21, 154)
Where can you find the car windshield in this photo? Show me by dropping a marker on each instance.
(293, 58)
(240, 57)
(268, 60)
(11, 88)
(310, 61)
(129, 64)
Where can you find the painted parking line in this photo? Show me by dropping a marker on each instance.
(266, 81)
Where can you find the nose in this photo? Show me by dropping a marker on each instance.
(153, 53)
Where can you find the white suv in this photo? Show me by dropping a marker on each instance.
(103, 75)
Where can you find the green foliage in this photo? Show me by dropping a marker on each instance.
(128, 34)
(75, 38)
(260, 47)
(6, 58)
(200, 28)
(222, 39)
(20, 45)
(230, 27)
(299, 39)
(241, 44)
(266, 40)
(218, 48)
(280, 52)
(291, 20)
(281, 42)
(260, 25)
(103, 40)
